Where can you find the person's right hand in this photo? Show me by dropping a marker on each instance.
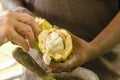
(17, 28)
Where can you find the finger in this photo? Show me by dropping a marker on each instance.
(71, 63)
(26, 31)
(19, 40)
(56, 67)
(68, 65)
(25, 18)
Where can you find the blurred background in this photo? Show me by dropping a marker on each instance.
(9, 68)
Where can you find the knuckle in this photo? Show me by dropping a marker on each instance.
(5, 35)
(31, 20)
(9, 13)
(6, 31)
(7, 19)
(30, 16)
(28, 30)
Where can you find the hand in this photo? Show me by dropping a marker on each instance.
(81, 53)
(17, 27)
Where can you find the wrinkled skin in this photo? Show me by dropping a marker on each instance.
(80, 52)
(16, 27)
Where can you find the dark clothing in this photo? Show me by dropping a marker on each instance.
(83, 18)
(86, 19)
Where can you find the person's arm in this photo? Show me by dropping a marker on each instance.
(86, 51)
(15, 5)
(108, 38)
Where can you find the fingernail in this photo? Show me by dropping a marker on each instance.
(26, 50)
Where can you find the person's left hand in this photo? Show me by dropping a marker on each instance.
(81, 53)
